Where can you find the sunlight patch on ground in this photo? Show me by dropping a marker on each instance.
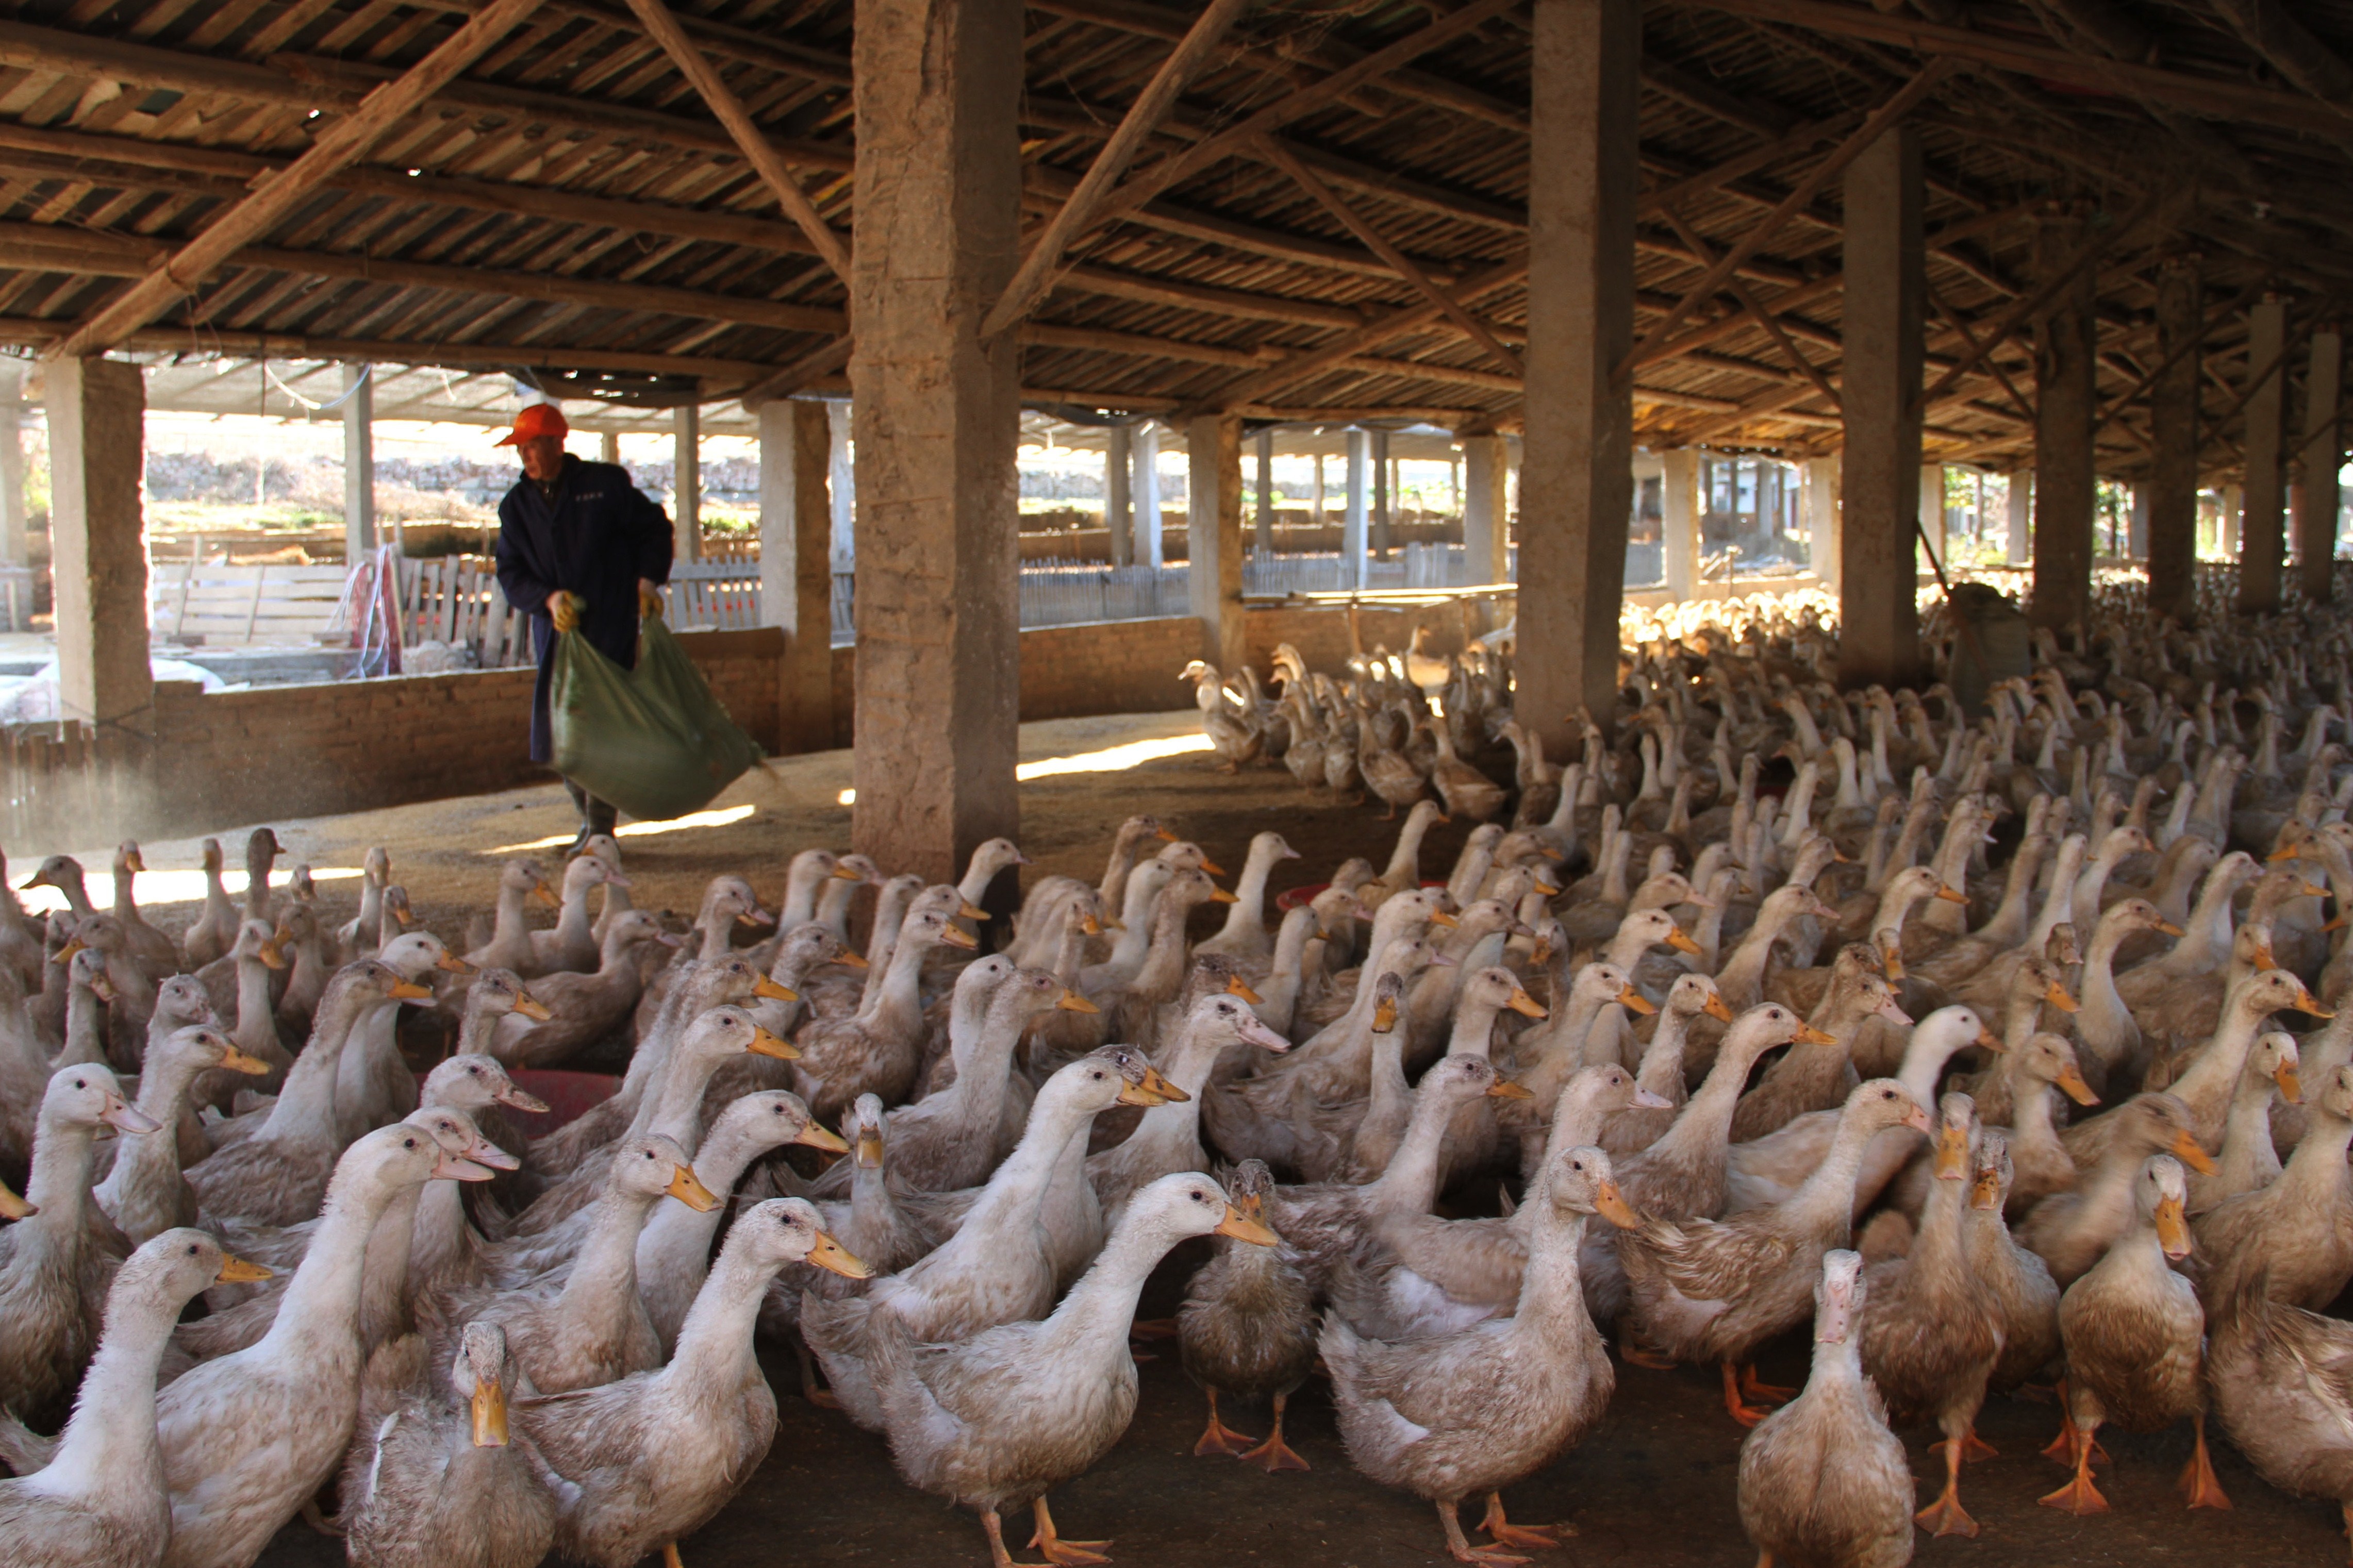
(1110, 760)
(166, 887)
(724, 816)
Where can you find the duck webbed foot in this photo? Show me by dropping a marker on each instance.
(1762, 1392)
(997, 1556)
(1504, 1532)
(2079, 1496)
(1945, 1516)
(1274, 1454)
(1740, 1409)
(1975, 1449)
(1062, 1553)
(1459, 1544)
(1634, 1352)
(2199, 1486)
(1220, 1438)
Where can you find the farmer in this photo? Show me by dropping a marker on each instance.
(580, 548)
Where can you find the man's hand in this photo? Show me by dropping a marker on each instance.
(564, 608)
(649, 599)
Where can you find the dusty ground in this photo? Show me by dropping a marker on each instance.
(1655, 1485)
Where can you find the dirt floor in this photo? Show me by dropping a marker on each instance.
(1654, 1486)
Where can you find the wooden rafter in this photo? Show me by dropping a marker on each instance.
(1357, 225)
(752, 143)
(1763, 318)
(1970, 341)
(1035, 273)
(1373, 333)
(2214, 318)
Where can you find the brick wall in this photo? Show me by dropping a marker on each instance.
(293, 751)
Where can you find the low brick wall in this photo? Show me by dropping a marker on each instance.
(293, 751)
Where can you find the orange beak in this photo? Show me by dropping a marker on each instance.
(1717, 1007)
(2071, 1083)
(765, 1044)
(2056, 994)
(1634, 1002)
(764, 986)
(1808, 1035)
(1681, 943)
(1236, 986)
(2291, 1088)
(2185, 1148)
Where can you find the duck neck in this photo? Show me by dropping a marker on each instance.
(1018, 1183)
(979, 1086)
(508, 926)
(306, 1102)
(1096, 1314)
(713, 1358)
(1163, 970)
(2317, 1166)
(1827, 1199)
(480, 1027)
(603, 1282)
(1409, 1185)
(62, 1153)
(1743, 971)
(108, 1450)
(84, 1043)
(833, 905)
(1705, 1123)
(1246, 916)
(257, 1020)
(573, 928)
(441, 1233)
(899, 1004)
(1475, 1028)
(321, 1307)
(675, 1111)
(1124, 852)
(2009, 921)
(1135, 924)
(149, 1159)
(1403, 872)
(1660, 1071)
(1552, 1291)
(2217, 1068)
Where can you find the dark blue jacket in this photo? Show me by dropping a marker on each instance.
(594, 538)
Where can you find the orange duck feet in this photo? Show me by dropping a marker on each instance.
(1274, 1454)
(1740, 1410)
(2198, 1484)
(1220, 1438)
(1059, 1552)
(1506, 1533)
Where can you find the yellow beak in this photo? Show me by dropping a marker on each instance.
(832, 1257)
(1950, 897)
(1717, 1007)
(764, 986)
(1072, 1001)
(1611, 1205)
(1504, 1089)
(688, 1190)
(2185, 1148)
(869, 1150)
(769, 1045)
(531, 1007)
(972, 912)
(2056, 994)
(1633, 1001)
(1808, 1035)
(1526, 1005)
(1680, 942)
(1220, 895)
(2172, 1228)
(453, 964)
(1154, 1091)
(1242, 1227)
(825, 1138)
(1236, 986)
(1385, 1015)
(236, 1060)
(490, 1411)
(2071, 1083)
(410, 991)
(953, 936)
(2291, 1088)
(1441, 918)
(1986, 1191)
(546, 895)
(1952, 1154)
(237, 1271)
(13, 1207)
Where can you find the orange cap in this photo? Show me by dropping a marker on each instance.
(537, 419)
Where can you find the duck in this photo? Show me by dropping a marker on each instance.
(277, 1174)
(100, 1500)
(250, 1437)
(1713, 1291)
(1478, 1409)
(433, 1483)
(210, 934)
(1244, 935)
(1236, 737)
(1388, 773)
(521, 881)
(1248, 1329)
(1822, 1481)
(2034, 1075)
(144, 1193)
(590, 1325)
(1818, 1072)
(1168, 1139)
(2249, 1158)
(650, 1458)
(56, 1272)
(573, 944)
(2024, 1294)
(1683, 1174)
(1467, 792)
(879, 1051)
(2294, 1229)
(1932, 1329)
(2134, 1338)
(583, 1008)
(2070, 1230)
(149, 948)
(2281, 1379)
(997, 1263)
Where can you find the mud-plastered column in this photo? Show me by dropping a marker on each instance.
(937, 413)
(1878, 478)
(1576, 473)
(97, 412)
(2173, 430)
(2066, 488)
(2324, 454)
(1213, 533)
(797, 565)
(2262, 544)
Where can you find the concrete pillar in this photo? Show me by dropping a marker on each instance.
(608, 446)
(1384, 501)
(359, 462)
(1879, 635)
(1265, 531)
(1354, 535)
(797, 565)
(1486, 545)
(1146, 491)
(2020, 522)
(2066, 489)
(1577, 476)
(2227, 520)
(97, 411)
(2324, 454)
(1316, 494)
(841, 479)
(2173, 430)
(1932, 512)
(1119, 511)
(686, 466)
(938, 411)
(2261, 546)
(1213, 531)
(14, 549)
(1679, 519)
(2136, 525)
(1821, 500)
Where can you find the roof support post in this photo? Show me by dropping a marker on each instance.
(14, 549)
(938, 415)
(2261, 545)
(1264, 542)
(1679, 514)
(2021, 516)
(359, 462)
(1576, 470)
(1145, 548)
(1821, 503)
(2173, 432)
(1213, 535)
(797, 566)
(2066, 400)
(1486, 523)
(1879, 628)
(1118, 513)
(1354, 533)
(97, 410)
(686, 479)
(2324, 454)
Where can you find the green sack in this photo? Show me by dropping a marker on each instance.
(652, 740)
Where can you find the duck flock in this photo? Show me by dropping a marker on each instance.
(1998, 1046)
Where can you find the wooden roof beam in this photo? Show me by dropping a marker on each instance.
(342, 142)
(1393, 324)
(1034, 276)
